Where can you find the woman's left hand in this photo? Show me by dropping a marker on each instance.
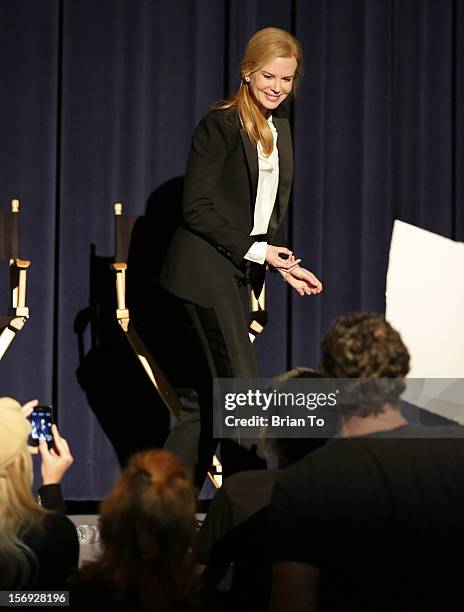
(28, 407)
(26, 411)
(303, 281)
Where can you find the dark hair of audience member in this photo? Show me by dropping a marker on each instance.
(291, 450)
(147, 530)
(364, 345)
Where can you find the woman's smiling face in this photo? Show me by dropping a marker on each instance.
(272, 83)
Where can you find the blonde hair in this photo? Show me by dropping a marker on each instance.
(18, 512)
(263, 47)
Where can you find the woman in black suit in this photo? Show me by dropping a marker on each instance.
(237, 187)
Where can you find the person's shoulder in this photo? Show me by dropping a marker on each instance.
(224, 119)
(281, 112)
(60, 526)
(249, 479)
(417, 431)
(297, 472)
(52, 525)
(217, 130)
(318, 461)
(56, 546)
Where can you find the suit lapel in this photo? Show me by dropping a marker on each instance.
(284, 146)
(251, 154)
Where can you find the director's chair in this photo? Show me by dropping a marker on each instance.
(123, 229)
(124, 226)
(18, 313)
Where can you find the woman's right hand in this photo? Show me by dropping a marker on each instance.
(56, 460)
(274, 257)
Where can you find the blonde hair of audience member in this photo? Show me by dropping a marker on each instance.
(18, 509)
(147, 531)
(262, 48)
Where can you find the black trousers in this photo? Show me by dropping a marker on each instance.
(226, 352)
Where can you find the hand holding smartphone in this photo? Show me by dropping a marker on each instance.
(41, 420)
(56, 455)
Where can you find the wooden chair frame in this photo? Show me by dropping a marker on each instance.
(149, 364)
(18, 311)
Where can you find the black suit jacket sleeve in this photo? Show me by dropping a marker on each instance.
(206, 168)
(279, 239)
(51, 498)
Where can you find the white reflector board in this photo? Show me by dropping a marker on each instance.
(425, 300)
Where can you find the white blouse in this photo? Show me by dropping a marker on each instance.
(268, 183)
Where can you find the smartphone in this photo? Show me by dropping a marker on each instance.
(41, 420)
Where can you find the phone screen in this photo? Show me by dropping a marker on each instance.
(41, 420)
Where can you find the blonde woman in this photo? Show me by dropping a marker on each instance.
(38, 548)
(237, 187)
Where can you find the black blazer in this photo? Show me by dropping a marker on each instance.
(221, 182)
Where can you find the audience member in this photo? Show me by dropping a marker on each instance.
(235, 531)
(147, 528)
(54, 463)
(372, 521)
(38, 548)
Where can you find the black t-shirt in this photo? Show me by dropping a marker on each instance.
(381, 516)
(241, 496)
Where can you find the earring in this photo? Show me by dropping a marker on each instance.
(247, 79)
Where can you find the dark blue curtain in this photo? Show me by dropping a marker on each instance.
(98, 100)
